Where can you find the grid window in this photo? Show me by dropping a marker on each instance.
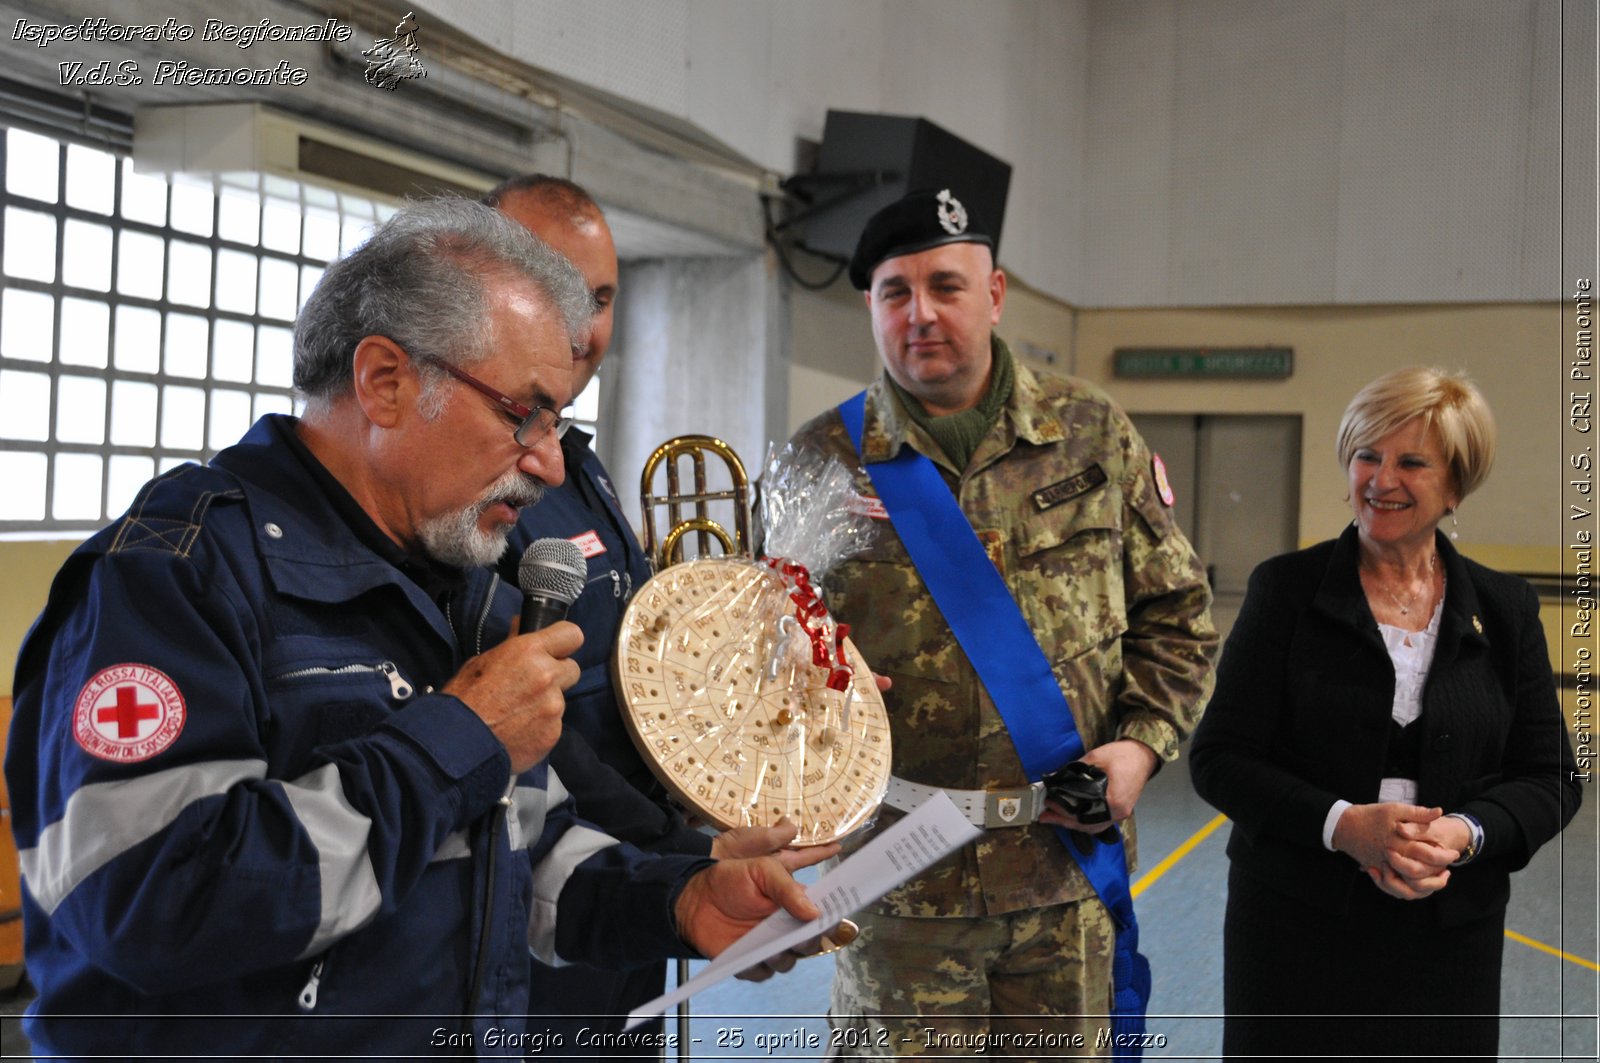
(189, 273)
(233, 347)
(145, 321)
(124, 476)
(239, 217)
(33, 166)
(185, 346)
(91, 179)
(275, 356)
(30, 239)
(85, 328)
(86, 255)
(24, 475)
(27, 325)
(81, 409)
(78, 480)
(24, 405)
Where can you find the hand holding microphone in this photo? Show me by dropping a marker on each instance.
(517, 688)
(552, 573)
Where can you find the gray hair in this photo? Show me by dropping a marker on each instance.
(421, 280)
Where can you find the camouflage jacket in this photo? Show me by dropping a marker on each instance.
(1061, 492)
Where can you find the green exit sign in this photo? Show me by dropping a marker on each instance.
(1256, 363)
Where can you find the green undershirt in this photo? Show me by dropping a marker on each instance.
(958, 434)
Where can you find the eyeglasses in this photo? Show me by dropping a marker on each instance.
(535, 422)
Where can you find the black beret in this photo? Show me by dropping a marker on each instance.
(915, 223)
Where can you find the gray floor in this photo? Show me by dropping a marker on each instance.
(1550, 1003)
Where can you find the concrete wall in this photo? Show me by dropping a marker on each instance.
(695, 353)
(1248, 152)
(1224, 152)
(1011, 76)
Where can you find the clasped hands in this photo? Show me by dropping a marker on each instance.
(1405, 849)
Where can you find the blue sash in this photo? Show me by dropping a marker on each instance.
(978, 606)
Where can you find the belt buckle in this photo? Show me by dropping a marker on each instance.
(1012, 808)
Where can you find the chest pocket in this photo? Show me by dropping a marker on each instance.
(892, 616)
(332, 695)
(1069, 573)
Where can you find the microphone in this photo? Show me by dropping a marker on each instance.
(552, 574)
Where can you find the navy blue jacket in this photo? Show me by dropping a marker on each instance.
(238, 794)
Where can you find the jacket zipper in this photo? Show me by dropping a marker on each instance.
(483, 616)
(488, 604)
(308, 995)
(397, 682)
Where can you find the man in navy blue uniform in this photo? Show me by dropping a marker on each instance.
(585, 508)
(278, 762)
(595, 749)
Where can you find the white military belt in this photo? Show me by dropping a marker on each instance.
(982, 808)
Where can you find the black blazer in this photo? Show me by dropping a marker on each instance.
(1301, 717)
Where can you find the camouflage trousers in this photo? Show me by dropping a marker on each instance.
(1033, 984)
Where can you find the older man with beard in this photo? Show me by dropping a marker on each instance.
(277, 761)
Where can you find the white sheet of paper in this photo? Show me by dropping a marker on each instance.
(934, 830)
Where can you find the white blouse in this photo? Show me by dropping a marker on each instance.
(1411, 653)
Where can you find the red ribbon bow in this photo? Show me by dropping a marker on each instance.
(813, 617)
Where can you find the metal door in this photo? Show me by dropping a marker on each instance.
(1237, 481)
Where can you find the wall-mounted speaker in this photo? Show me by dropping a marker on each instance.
(867, 161)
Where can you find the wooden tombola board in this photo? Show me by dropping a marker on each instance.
(725, 705)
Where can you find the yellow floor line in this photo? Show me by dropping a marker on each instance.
(1149, 878)
(1542, 947)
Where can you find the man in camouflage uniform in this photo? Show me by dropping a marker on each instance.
(1007, 936)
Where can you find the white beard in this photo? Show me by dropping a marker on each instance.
(456, 539)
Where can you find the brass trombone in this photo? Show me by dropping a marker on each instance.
(666, 550)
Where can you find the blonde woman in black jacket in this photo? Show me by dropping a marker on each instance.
(1387, 740)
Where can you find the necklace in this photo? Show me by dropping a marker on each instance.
(1405, 606)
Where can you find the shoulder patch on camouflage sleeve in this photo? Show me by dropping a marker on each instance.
(1158, 470)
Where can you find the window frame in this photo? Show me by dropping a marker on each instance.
(270, 193)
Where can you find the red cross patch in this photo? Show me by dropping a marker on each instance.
(128, 713)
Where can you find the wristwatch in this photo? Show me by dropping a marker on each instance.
(1474, 837)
